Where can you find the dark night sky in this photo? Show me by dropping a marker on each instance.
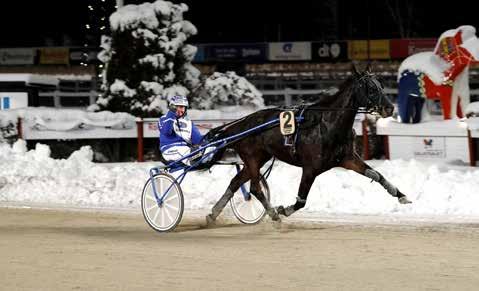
(29, 23)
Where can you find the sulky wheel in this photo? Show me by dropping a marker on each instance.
(165, 215)
(246, 207)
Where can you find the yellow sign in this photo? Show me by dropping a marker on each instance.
(56, 55)
(378, 49)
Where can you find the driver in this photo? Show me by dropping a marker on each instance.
(178, 134)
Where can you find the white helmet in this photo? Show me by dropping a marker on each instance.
(178, 100)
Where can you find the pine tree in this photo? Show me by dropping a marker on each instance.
(226, 89)
(147, 59)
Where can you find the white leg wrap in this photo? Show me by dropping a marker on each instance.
(220, 205)
(381, 180)
(372, 174)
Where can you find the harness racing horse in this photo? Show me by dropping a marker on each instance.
(325, 140)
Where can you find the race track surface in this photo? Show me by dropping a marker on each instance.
(88, 250)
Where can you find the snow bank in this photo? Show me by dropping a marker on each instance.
(34, 177)
(42, 118)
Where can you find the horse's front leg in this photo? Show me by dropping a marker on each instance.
(307, 180)
(359, 166)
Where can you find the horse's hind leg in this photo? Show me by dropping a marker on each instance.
(307, 180)
(359, 166)
(235, 183)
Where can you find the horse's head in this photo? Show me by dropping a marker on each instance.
(369, 93)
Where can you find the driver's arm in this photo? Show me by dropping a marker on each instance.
(166, 123)
(196, 136)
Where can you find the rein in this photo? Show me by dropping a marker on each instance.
(338, 109)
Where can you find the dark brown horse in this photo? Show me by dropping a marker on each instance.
(325, 140)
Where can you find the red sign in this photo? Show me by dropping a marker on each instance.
(402, 48)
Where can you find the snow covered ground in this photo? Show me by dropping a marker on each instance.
(438, 191)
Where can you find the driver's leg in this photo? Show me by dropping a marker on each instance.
(177, 152)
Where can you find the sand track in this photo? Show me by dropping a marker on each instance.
(79, 250)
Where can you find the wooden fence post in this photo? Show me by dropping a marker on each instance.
(139, 138)
(386, 147)
(19, 128)
(472, 149)
(365, 139)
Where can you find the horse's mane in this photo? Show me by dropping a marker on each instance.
(326, 99)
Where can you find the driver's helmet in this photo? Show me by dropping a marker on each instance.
(178, 100)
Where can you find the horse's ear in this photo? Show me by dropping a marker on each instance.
(368, 68)
(354, 69)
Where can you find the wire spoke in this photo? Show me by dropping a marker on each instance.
(169, 216)
(150, 197)
(156, 214)
(170, 198)
(171, 206)
(151, 207)
(163, 216)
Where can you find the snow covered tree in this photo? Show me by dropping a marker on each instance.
(147, 59)
(226, 89)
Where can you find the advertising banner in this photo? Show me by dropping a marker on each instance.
(17, 56)
(200, 54)
(83, 55)
(289, 51)
(429, 148)
(402, 48)
(329, 51)
(54, 56)
(237, 52)
(378, 49)
(150, 126)
(12, 100)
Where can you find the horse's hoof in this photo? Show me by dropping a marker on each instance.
(280, 210)
(273, 213)
(210, 221)
(404, 200)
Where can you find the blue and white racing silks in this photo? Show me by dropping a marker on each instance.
(176, 135)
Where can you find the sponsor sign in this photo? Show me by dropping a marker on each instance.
(247, 52)
(16, 56)
(200, 54)
(5, 102)
(86, 55)
(150, 126)
(289, 51)
(56, 55)
(429, 147)
(402, 48)
(11, 100)
(329, 51)
(378, 49)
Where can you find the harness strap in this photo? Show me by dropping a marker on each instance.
(296, 134)
(292, 140)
